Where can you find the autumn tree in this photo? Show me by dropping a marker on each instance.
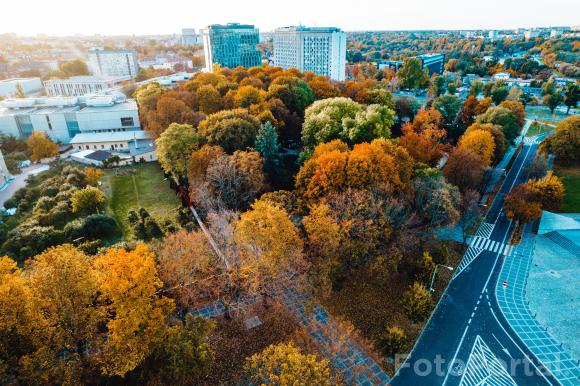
(393, 341)
(322, 88)
(412, 75)
(269, 245)
(503, 117)
(129, 286)
(246, 96)
(481, 143)
(522, 205)
(517, 108)
(209, 99)
(423, 147)
(231, 129)
(498, 138)
(429, 120)
(93, 176)
(284, 364)
(549, 191)
(417, 303)
(565, 142)
(88, 201)
(464, 169)
(41, 146)
(74, 67)
(293, 91)
(466, 115)
(174, 146)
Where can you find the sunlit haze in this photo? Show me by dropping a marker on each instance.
(114, 17)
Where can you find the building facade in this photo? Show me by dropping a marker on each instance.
(113, 63)
(189, 37)
(81, 85)
(63, 118)
(30, 86)
(434, 63)
(231, 45)
(319, 50)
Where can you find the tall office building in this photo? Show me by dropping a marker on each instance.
(231, 45)
(189, 37)
(320, 50)
(113, 62)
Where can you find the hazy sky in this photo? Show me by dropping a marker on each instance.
(141, 17)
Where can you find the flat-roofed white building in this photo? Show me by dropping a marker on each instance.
(82, 85)
(321, 50)
(30, 86)
(130, 146)
(113, 62)
(62, 118)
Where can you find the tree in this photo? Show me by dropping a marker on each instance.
(41, 146)
(231, 129)
(565, 142)
(429, 120)
(517, 109)
(19, 91)
(248, 95)
(470, 215)
(522, 205)
(268, 147)
(174, 146)
(503, 117)
(293, 91)
(436, 200)
(553, 100)
(342, 118)
(269, 245)
(437, 86)
(549, 191)
(476, 88)
(538, 167)
(448, 106)
(283, 364)
(464, 169)
(322, 88)
(129, 288)
(393, 341)
(479, 142)
(74, 67)
(209, 99)
(423, 147)
(572, 96)
(498, 138)
(417, 303)
(88, 201)
(499, 93)
(467, 113)
(93, 176)
(412, 75)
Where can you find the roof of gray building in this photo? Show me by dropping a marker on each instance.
(117, 136)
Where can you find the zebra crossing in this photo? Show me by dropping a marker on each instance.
(491, 245)
(484, 368)
(532, 141)
(485, 230)
(468, 257)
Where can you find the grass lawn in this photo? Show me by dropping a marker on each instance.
(372, 307)
(537, 128)
(139, 186)
(571, 178)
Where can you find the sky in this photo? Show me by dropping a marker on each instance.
(148, 17)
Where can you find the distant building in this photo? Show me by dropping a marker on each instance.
(500, 76)
(81, 85)
(189, 37)
(231, 45)
(319, 50)
(63, 118)
(492, 35)
(4, 173)
(434, 63)
(129, 146)
(29, 86)
(556, 32)
(113, 62)
(531, 34)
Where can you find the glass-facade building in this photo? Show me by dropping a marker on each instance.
(231, 45)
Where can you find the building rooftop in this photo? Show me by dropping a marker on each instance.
(117, 136)
(99, 155)
(128, 104)
(231, 26)
(12, 80)
(308, 29)
(90, 79)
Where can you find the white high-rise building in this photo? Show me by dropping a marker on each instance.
(319, 50)
(113, 62)
(189, 37)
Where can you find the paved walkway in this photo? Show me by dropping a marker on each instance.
(515, 307)
(344, 353)
(19, 181)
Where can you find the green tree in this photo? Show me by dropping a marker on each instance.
(553, 100)
(437, 86)
(174, 146)
(412, 75)
(294, 92)
(499, 93)
(231, 129)
(503, 117)
(417, 303)
(448, 106)
(267, 145)
(572, 96)
(565, 142)
(88, 201)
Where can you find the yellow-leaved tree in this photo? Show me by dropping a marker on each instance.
(479, 142)
(41, 146)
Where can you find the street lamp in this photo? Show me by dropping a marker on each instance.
(435, 272)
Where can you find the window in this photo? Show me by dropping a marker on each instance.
(102, 146)
(127, 121)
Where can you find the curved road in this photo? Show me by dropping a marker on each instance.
(467, 340)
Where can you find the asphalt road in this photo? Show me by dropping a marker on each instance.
(468, 314)
(20, 181)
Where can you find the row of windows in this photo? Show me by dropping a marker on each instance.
(112, 147)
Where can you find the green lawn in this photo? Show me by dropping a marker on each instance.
(139, 186)
(571, 179)
(537, 128)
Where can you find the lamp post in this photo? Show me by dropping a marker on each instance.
(435, 272)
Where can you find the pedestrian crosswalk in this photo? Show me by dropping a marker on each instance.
(469, 256)
(531, 141)
(491, 245)
(485, 230)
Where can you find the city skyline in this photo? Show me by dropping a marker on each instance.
(416, 15)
